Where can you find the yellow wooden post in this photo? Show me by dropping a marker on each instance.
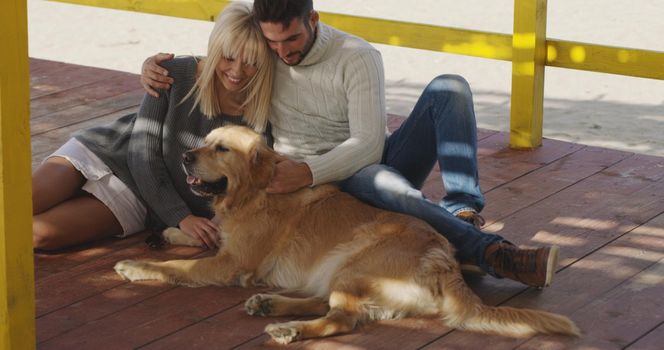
(17, 300)
(528, 60)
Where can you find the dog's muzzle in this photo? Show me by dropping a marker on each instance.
(196, 184)
(207, 189)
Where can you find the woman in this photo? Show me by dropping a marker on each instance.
(121, 178)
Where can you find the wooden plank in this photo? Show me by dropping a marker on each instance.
(94, 308)
(104, 293)
(70, 286)
(627, 312)
(227, 329)
(528, 60)
(40, 68)
(62, 78)
(17, 326)
(48, 264)
(635, 306)
(509, 164)
(43, 70)
(512, 196)
(595, 210)
(651, 341)
(579, 343)
(84, 95)
(83, 112)
(151, 319)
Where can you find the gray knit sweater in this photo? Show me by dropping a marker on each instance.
(145, 150)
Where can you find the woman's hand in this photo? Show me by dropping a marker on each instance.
(201, 229)
(153, 76)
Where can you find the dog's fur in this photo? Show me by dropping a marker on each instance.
(354, 262)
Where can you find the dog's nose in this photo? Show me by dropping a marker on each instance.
(188, 157)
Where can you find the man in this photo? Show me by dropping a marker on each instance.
(328, 116)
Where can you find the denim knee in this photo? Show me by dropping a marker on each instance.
(451, 101)
(382, 186)
(449, 85)
(360, 182)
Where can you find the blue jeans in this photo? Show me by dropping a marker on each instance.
(441, 128)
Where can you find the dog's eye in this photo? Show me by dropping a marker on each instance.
(221, 148)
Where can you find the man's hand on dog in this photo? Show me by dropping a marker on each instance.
(202, 229)
(153, 76)
(289, 176)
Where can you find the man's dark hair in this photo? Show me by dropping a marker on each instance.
(282, 11)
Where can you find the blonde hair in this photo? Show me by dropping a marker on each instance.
(235, 32)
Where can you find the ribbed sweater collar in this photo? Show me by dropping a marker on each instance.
(319, 49)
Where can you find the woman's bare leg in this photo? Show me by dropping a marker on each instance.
(74, 221)
(64, 215)
(54, 181)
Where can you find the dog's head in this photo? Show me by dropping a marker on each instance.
(234, 163)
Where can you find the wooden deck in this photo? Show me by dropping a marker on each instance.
(604, 208)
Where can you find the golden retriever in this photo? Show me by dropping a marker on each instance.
(355, 263)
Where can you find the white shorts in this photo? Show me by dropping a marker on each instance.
(105, 186)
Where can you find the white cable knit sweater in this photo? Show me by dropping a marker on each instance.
(329, 110)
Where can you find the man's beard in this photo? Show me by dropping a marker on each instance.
(312, 36)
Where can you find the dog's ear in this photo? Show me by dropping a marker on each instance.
(262, 164)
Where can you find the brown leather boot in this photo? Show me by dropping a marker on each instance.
(532, 267)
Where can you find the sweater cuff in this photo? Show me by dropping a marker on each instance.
(176, 216)
(319, 173)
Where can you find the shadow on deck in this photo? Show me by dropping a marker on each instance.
(604, 208)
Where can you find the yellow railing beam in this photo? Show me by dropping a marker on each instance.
(598, 58)
(605, 59)
(427, 37)
(193, 9)
(528, 60)
(17, 300)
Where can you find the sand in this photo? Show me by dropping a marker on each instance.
(590, 108)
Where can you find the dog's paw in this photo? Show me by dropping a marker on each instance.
(131, 270)
(259, 305)
(283, 333)
(171, 234)
(174, 236)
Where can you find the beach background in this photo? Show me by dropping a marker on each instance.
(590, 108)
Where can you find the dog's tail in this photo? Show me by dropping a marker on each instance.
(461, 308)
